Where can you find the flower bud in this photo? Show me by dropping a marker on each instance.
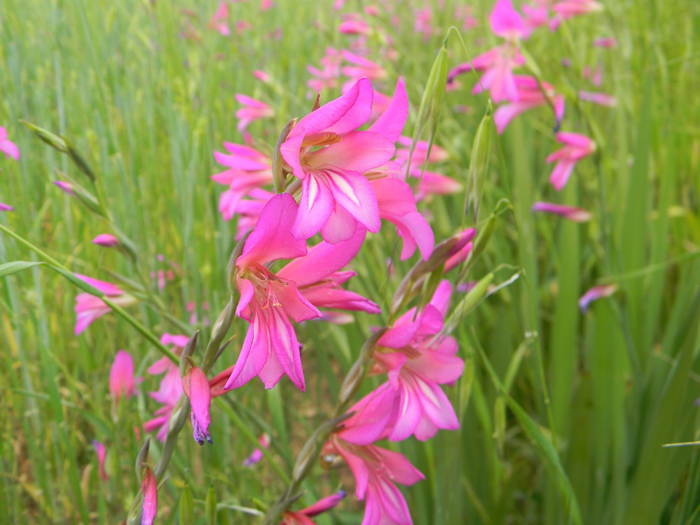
(142, 456)
(186, 506)
(277, 160)
(49, 138)
(149, 487)
(235, 254)
(210, 506)
(106, 240)
(187, 353)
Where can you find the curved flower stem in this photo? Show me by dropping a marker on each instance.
(182, 408)
(310, 452)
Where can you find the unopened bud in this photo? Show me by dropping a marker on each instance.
(186, 506)
(305, 459)
(277, 160)
(49, 138)
(235, 254)
(210, 506)
(187, 353)
(142, 457)
(223, 323)
(352, 383)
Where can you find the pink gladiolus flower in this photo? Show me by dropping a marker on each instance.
(424, 22)
(361, 68)
(311, 281)
(570, 8)
(536, 15)
(576, 147)
(219, 20)
(107, 240)
(463, 250)
(602, 99)
(325, 152)
(376, 470)
(498, 63)
(609, 42)
(506, 22)
(196, 388)
(257, 454)
(267, 302)
(9, 148)
(248, 169)
(327, 77)
(265, 5)
(415, 372)
(303, 517)
(149, 486)
(412, 402)
(568, 212)
(465, 14)
(6, 207)
(372, 10)
(252, 110)
(261, 76)
(101, 454)
(170, 388)
(595, 293)
(243, 25)
(121, 376)
(65, 186)
(88, 307)
(318, 277)
(529, 96)
(353, 24)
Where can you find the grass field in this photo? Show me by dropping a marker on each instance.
(563, 414)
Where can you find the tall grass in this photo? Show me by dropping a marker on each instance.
(560, 412)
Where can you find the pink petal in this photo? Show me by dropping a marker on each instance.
(315, 207)
(121, 376)
(295, 305)
(506, 22)
(322, 260)
(253, 356)
(371, 416)
(561, 173)
(106, 288)
(353, 192)
(272, 239)
(392, 121)
(284, 342)
(358, 151)
(196, 386)
(10, 149)
(341, 115)
(340, 227)
(150, 498)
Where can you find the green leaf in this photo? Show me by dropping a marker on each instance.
(16, 267)
(543, 445)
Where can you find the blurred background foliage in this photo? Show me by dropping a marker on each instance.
(147, 107)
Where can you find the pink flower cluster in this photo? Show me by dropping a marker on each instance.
(417, 360)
